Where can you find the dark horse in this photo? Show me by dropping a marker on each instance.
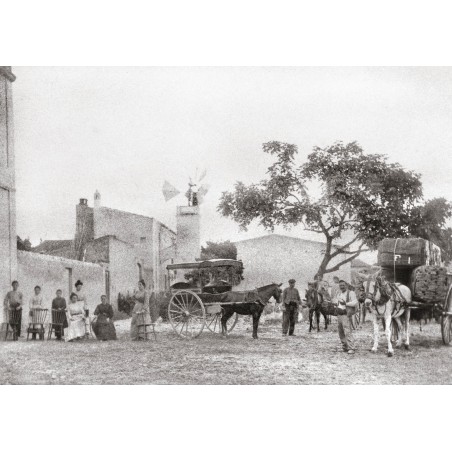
(248, 303)
(314, 300)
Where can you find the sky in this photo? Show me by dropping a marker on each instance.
(125, 130)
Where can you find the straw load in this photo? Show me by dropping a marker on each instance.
(408, 253)
(415, 263)
(429, 283)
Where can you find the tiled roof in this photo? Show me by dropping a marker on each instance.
(48, 246)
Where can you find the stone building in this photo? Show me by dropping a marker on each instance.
(8, 243)
(277, 258)
(111, 249)
(128, 246)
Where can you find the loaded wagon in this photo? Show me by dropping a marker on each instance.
(416, 263)
(194, 305)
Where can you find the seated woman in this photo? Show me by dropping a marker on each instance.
(103, 325)
(76, 319)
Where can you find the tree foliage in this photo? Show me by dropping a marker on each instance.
(363, 196)
(23, 245)
(429, 221)
(219, 250)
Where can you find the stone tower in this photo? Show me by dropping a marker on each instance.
(188, 242)
(8, 241)
(84, 228)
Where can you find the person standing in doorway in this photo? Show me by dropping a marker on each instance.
(81, 297)
(289, 306)
(13, 300)
(347, 302)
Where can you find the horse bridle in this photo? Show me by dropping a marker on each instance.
(398, 296)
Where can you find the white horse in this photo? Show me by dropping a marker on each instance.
(388, 301)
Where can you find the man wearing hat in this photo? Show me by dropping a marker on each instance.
(289, 306)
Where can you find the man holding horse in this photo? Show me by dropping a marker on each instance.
(290, 300)
(347, 303)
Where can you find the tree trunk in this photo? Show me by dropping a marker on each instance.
(326, 259)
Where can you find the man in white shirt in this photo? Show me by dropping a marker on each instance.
(335, 288)
(347, 303)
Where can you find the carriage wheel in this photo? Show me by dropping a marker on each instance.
(213, 322)
(186, 314)
(446, 329)
(446, 320)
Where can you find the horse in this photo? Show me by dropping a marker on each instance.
(248, 303)
(314, 300)
(388, 302)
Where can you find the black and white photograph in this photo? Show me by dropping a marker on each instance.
(226, 225)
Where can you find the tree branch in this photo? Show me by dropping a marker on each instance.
(341, 249)
(345, 261)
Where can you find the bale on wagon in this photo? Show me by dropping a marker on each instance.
(429, 283)
(413, 252)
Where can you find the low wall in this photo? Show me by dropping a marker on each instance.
(52, 273)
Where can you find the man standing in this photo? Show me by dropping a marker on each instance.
(335, 291)
(347, 302)
(290, 300)
(14, 300)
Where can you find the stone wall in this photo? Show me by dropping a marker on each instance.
(166, 255)
(8, 260)
(277, 258)
(124, 269)
(128, 227)
(188, 247)
(52, 273)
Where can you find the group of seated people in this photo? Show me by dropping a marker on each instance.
(69, 321)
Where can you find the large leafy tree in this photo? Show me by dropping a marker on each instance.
(360, 196)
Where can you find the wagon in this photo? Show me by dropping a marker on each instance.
(194, 303)
(440, 309)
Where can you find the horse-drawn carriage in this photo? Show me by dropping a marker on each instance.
(202, 296)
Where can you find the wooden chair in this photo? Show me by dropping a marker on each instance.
(144, 327)
(14, 323)
(57, 323)
(36, 323)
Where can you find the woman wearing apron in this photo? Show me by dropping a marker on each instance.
(141, 297)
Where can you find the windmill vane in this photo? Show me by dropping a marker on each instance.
(195, 193)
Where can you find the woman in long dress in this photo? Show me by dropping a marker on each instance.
(141, 310)
(103, 325)
(36, 302)
(76, 319)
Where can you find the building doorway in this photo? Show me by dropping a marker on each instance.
(69, 281)
(107, 285)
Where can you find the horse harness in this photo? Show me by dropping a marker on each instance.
(398, 296)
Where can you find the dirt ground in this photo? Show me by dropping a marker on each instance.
(308, 358)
